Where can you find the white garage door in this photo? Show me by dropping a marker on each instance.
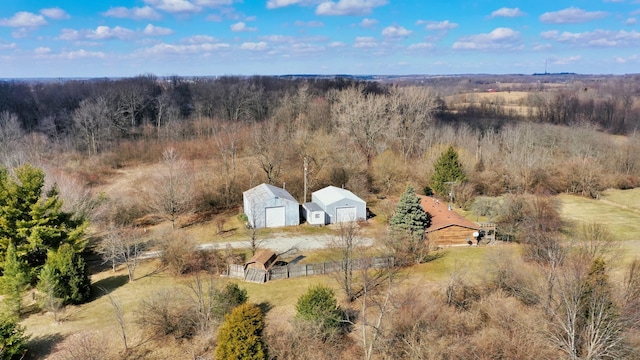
(274, 216)
(346, 214)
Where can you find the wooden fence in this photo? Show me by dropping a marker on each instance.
(296, 270)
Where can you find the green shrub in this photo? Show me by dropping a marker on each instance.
(320, 307)
(12, 339)
(240, 336)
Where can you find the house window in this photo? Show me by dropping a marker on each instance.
(316, 216)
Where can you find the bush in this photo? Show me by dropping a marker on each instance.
(319, 306)
(240, 336)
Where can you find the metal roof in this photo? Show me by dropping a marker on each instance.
(311, 206)
(265, 192)
(331, 194)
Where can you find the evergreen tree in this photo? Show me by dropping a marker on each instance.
(13, 341)
(447, 169)
(319, 306)
(240, 336)
(34, 221)
(410, 217)
(15, 280)
(408, 224)
(67, 271)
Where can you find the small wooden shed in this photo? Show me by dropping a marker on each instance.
(447, 227)
(263, 259)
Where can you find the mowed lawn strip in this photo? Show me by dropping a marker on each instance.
(623, 223)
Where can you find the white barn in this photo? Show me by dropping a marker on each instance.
(269, 206)
(339, 205)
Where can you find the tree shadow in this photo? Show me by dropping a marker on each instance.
(40, 347)
(265, 307)
(107, 285)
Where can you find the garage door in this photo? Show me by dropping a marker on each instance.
(274, 216)
(346, 214)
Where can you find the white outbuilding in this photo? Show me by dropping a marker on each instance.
(313, 213)
(339, 205)
(269, 206)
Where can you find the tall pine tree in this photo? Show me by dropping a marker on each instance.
(447, 169)
(408, 224)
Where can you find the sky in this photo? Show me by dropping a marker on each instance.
(121, 38)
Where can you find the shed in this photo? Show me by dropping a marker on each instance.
(313, 213)
(447, 227)
(339, 205)
(263, 259)
(269, 206)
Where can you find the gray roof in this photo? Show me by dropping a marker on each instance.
(331, 194)
(265, 192)
(311, 206)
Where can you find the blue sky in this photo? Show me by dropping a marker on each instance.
(48, 38)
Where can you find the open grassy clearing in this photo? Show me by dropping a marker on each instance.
(622, 221)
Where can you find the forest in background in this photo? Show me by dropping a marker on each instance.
(218, 137)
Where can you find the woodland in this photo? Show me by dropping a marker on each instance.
(96, 172)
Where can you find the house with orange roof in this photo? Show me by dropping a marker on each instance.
(447, 227)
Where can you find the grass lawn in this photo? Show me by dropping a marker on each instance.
(622, 221)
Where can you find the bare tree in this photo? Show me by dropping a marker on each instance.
(349, 243)
(92, 121)
(269, 144)
(118, 313)
(362, 118)
(171, 190)
(122, 246)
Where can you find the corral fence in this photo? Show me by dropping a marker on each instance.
(237, 271)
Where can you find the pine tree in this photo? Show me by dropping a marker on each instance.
(409, 216)
(13, 341)
(15, 280)
(67, 270)
(447, 169)
(408, 224)
(319, 306)
(240, 336)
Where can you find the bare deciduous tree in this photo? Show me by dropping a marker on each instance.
(122, 246)
(171, 191)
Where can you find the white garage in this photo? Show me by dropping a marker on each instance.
(270, 206)
(339, 205)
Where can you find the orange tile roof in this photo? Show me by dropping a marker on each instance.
(442, 217)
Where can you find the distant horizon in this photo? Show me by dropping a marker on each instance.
(54, 39)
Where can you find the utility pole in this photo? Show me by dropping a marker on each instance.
(306, 168)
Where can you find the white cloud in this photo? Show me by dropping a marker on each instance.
(79, 54)
(174, 6)
(42, 50)
(421, 46)
(395, 32)
(105, 32)
(623, 60)
(254, 46)
(279, 39)
(566, 61)
(337, 44)
(596, 38)
(507, 12)
(571, 15)
(631, 21)
(445, 25)
(8, 46)
(241, 26)
(24, 19)
(152, 30)
(55, 13)
(213, 3)
(366, 22)
(199, 39)
(69, 34)
(136, 13)
(164, 49)
(274, 4)
(365, 42)
(500, 38)
(312, 23)
(348, 7)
